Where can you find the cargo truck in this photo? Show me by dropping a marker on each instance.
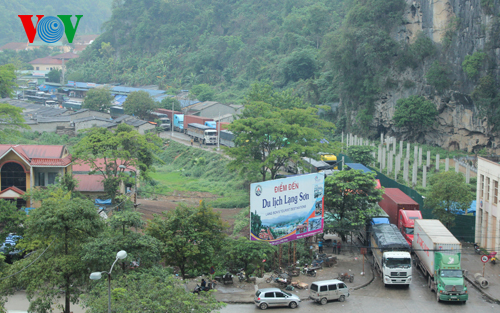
(402, 211)
(379, 217)
(391, 254)
(202, 133)
(188, 119)
(179, 123)
(163, 118)
(437, 254)
(169, 113)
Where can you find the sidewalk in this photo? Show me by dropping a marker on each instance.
(472, 263)
(244, 292)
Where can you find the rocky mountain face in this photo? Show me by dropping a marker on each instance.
(458, 28)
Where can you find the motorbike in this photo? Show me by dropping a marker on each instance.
(198, 288)
(493, 257)
(241, 276)
(477, 249)
(309, 272)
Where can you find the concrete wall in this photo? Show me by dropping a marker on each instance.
(46, 67)
(214, 110)
(48, 127)
(145, 128)
(89, 124)
(76, 116)
(487, 212)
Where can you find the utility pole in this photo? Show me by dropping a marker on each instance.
(172, 121)
(218, 133)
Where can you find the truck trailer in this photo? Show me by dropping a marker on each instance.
(226, 138)
(437, 254)
(169, 113)
(391, 254)
(402, 211)
(202, 133)
(379, 217)
(188, 119)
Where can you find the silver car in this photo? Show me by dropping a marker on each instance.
(267, 297)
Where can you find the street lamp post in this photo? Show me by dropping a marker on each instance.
(97, 275)
(123, 167)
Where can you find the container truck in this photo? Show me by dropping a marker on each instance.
(391, 254)
(188, 119)
(437, 254)
(202, 133)
(179, 123)
(165, 123)
(169, 113)
(379, 217)
(226, 138)
(329, 159)
(211, 124)
(402, 211)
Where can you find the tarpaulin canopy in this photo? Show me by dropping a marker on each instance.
(99, 201)
(388, 236)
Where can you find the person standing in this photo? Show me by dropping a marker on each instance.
(334, 245)
(339, 245)
(191, 142)
(320, 246)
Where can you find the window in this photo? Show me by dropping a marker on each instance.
(323, 288)
(51, 178)
(481, 192)
(495, 192)
(41, 179)
(487, 189)
(13, 175)
(269, 295)
(279, 295)
(342, 285)
(314, 287)
(332, 287)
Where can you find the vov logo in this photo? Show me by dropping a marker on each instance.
(50, 28)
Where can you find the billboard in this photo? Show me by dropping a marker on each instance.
(287, 209)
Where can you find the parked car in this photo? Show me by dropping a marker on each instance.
(325, 290)
(269, 297)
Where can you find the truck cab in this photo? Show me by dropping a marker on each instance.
(406, 223)
(449, 278)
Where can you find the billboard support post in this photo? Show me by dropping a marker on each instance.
(294, 252)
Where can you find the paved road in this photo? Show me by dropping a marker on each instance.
(377, 299)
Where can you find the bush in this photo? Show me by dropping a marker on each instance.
(438, 76)
(472, 64)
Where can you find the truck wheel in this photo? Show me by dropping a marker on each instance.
(323, 301)
(437, 296)
(342, 298)
(429, 283)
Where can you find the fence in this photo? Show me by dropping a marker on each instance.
(465, 225)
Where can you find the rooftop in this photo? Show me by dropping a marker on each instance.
(135, 122)
(46, 60)
(89, 183)
(14, 46)
(39, 155)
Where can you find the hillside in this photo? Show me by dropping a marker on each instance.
(359, 56)
(95, 12)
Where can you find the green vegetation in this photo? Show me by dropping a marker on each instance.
(139, 103)
(202, 92)
(98, 99)
(169, 102)
(415, 114)
(486, 96)
(448, 193)
(472, 64)
(95, 13)
(361, 154)
(7, 80)
(438, 76)
(54, 76)
(413, 55)
(180, 173)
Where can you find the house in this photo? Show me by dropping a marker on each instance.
(56, 45)
(26, 166)
(52, 62)
(16, 46)
(211, 109)
(487, 213)
(141, 126)
(89, 122)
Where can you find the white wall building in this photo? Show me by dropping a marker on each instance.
(487, 213)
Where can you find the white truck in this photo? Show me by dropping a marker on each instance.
(391, 254)
(437, 254)
(202, 133)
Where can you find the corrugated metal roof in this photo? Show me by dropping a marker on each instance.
(186, 103)
(89, 183)
(132, 89)
(122, 118)
(359, 166)
(54, 119)
(135, 122)
(39, 155)
(79, 167)
(91, 118)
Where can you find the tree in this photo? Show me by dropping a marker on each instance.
(191, 236)
(166, 103)
(263, 92)
(98, 99)
(139, 104)
(267, 138)
(56, 230)
(105, 151)
(416, 114)
(472, 64)
(349, 196)
(247, 254)
(148, 290)
(202, 92)
(11, 219)
(362, 154)
(54, 76)
(7, 80)
(11, 118)
(449, 194)
(438, 76)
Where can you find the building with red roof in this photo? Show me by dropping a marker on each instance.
(25, 166)
(16, 46)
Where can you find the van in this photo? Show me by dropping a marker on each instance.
(322, 291)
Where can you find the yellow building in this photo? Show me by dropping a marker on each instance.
(26, 166)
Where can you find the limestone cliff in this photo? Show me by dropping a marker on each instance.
(468, 27)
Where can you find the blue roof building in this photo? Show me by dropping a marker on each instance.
(359, 166)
